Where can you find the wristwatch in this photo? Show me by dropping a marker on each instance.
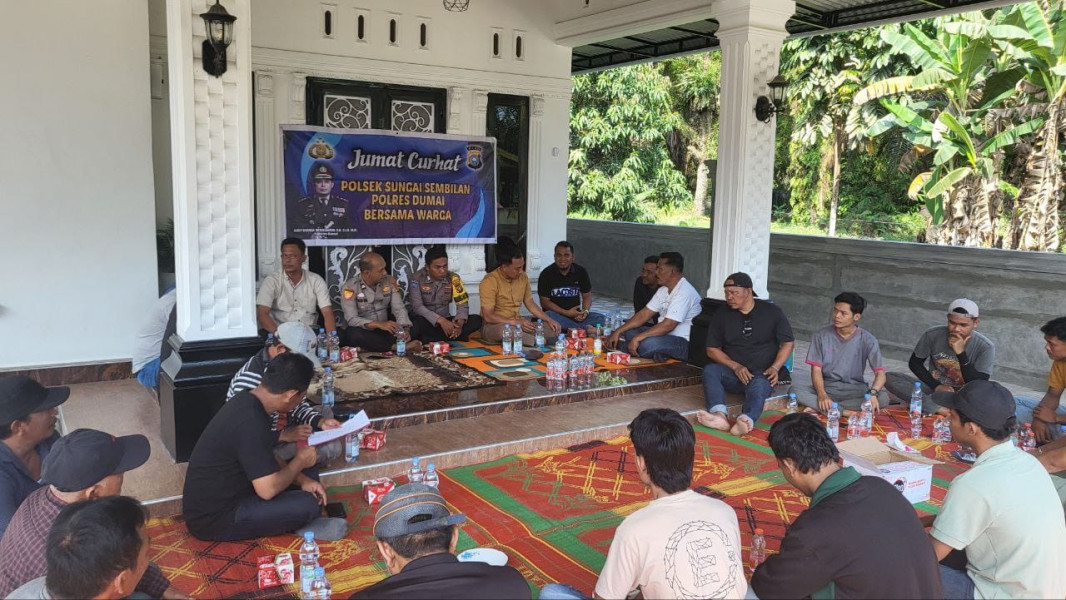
(873, 392)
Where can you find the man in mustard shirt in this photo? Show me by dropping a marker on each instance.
(503, 292)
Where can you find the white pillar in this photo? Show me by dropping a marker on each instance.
(211, 135)
(751, 33)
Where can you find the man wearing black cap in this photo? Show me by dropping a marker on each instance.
(416, 536)
(83, 465)
(28, 416)
(1004, 512)
(748, 341)
(320, 215)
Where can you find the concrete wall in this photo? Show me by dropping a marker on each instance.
(908, 286)
(614, 252)
(76, 199)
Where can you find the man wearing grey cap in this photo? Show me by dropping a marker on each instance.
(1004, 512)
(946, 358)
(83, 465)
(416, 536)
(28, 416)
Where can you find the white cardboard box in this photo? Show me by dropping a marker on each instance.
(912, 474)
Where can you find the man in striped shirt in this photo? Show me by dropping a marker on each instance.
(304, 419)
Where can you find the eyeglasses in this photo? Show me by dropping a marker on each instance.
(746, 327)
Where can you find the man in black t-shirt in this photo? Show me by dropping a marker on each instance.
(645, 285)
(748, 341)
(565, 291)
(235, 488)
(416, 536)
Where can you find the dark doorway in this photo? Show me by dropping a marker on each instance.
(507, 120)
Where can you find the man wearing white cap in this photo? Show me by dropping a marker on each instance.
(302, 420)
(947, 357)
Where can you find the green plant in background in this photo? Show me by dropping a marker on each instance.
(695, 91)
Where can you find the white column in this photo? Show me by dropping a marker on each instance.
(268, 192)
(751, 33)
(211, 135)
(533, 201)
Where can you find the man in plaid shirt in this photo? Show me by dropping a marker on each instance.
(83, 465)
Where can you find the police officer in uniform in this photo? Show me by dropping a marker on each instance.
(369, 300)
(432, 291)
(320, 216)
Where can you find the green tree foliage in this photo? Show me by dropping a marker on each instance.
(620, 164)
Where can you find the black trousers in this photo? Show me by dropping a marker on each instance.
(369, 340)
(255, 517)
(429, 332)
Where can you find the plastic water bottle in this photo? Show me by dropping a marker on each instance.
(320, 587)
(916, 424)
(608, 326)
(758, 549)
(540, 334)
(516, 341)
(1028, 438)
(833, 423)
(560, 346)
(597, 344)
(574, 373)
(270, 340)
(867, 416)
(415, 474)
(308, 562)
(401, 343)
(507, 346)
(334, 345)
(854, 427)
(323, 340)
(431, 478)
(916, 398)
(351, 444)
(793, 404)
(618, 320)
(328, 395)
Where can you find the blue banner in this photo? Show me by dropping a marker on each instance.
(363, 187)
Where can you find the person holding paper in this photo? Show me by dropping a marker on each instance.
(235, 487)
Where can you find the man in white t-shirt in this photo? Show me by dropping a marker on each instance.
(682, 544)
(149, 343)
(293, 293)
(676, 302)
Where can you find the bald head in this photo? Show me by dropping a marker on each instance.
(372, 268)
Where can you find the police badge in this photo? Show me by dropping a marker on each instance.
(320, 150)
(473, 156)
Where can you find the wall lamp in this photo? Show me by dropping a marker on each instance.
(767, 106)
(219, 26)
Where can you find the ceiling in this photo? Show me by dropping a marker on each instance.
(812, 17)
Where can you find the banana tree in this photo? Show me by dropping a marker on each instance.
(1033, 35)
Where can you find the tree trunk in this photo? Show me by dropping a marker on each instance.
(835, 199)
(824, 186)
(702, 186)
(1040, 194)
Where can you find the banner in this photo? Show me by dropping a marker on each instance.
(361, 187)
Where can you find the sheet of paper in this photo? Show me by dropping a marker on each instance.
(350, 426)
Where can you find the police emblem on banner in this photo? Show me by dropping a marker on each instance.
(320, 150)
(473, 157)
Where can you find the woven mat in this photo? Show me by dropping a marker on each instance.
(376, 375)
(553, 513)
(481, 356)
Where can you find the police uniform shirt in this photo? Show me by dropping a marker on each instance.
(363, 303)
(431, 298)
(288, 302)
(313, 213)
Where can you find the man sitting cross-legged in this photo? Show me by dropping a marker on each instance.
(946, 358)
(235, 488)
(504, 292)
(374, 309)
(860, 538)
(1048, 414)
(301, 421)
(676, 302)
(1003, 512)
(681, 545)
(838, 356)
(565, 291)
(416, 535)
(646, 285)
(748, 341)
(433, 290)
(84, 464)
(95, 549)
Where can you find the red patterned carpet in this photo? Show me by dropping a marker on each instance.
(553, 512)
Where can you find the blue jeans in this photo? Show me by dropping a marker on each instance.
(956, 583)
(1024, 413)
(560, 591)
(656, 347)
(719, 379)
(593, 319)
(148, 376)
